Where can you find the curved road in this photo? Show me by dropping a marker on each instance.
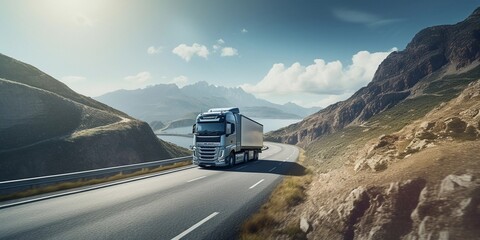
(193, 203)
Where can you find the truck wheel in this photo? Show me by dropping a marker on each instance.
(245, 157)
(231, 159)
(255, 156)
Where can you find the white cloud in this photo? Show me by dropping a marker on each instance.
(187, 52)
(244, 30)
(229, 52)
(73, 79)
(224, 51)
(320, 78)
(154, 50)
(181, 81)
(354, 16)
(218, 46)
(141, 77)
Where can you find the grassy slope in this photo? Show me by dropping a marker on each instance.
(273, 213)
(329, 151)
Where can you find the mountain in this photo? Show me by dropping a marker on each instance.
(268, 112)
(294, 108)
(167, 102)
(156, 125)
(438, 63)
(400, 159)
(46, 128)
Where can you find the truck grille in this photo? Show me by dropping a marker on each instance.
(208, 139)
(207, 153)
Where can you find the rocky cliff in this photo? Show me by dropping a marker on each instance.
(422, 182)
(46, 128)
(432, 54)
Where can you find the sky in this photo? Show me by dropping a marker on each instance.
(313, 53)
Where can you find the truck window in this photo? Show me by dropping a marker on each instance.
(231, 119)
(211, 128)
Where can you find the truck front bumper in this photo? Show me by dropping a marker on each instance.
(213, 163)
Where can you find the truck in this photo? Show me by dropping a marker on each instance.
(225, 137)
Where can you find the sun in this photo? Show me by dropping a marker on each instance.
(81, 12)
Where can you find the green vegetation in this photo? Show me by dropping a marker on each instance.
(88, 182)
(288, 194)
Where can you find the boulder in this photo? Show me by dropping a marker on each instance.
(455, 125)
(452, 182)
(304, 225)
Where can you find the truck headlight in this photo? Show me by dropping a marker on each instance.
(222, 153)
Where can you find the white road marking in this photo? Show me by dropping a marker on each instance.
(254, 185)
(198, 178)
(179, 236)
(272, 169)
(240, 168)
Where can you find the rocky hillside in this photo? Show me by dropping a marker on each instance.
(46, 128)
(433, 54)
(422, 182)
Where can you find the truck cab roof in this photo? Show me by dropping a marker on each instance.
(231, 109)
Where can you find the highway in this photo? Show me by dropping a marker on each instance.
(193, 203)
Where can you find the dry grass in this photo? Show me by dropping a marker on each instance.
(88, 182)
(289, 193)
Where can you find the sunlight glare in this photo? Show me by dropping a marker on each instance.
(81, 12)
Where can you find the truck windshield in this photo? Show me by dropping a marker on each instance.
(211, 128)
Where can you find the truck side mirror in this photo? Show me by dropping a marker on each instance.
(194, 128)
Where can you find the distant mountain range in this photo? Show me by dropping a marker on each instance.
(47, 128)
(167, 102)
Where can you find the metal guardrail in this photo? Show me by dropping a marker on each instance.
(10, 184)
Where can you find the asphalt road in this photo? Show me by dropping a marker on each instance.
(193, 203)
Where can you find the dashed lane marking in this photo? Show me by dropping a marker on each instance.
(195, 179)
(254, 185)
